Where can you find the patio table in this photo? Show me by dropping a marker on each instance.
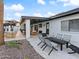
(58, 41)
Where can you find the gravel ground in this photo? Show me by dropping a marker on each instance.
(26, 51)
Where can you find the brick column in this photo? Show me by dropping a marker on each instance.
(1, 22)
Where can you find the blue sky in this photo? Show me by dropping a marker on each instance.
(14, 9)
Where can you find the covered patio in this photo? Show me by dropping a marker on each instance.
(34, 40)
(31, 25)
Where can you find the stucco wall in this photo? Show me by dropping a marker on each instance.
(55, 27)
(43, 26)
(15, 29)
(27, 22)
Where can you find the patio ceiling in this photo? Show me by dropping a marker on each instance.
(7, 24)
(34, 19)
(11, 23)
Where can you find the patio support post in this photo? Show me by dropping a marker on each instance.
(27, 22)
(1, 23)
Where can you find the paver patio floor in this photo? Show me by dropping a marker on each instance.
(54, 54)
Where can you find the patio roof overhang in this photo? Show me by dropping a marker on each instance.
(11, 23)
(33, 19)
(7, 24)
(42, 19)
(63, 14)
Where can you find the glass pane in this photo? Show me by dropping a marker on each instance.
(74, 25)
(40, 25)
(65, 25)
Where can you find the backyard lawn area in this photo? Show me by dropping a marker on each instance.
(20, 49)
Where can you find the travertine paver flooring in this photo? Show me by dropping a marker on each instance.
(26, 51)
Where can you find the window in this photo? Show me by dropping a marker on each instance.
(36, 28)
(40, 25)
(70, 25)
(47, 25)
(11, 29)
(4, 29)
(24, 27)
(65, 25)
(74, 25)
(47, 28)
(7, 29)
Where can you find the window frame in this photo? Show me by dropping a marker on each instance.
(69, 25)
(40, 25)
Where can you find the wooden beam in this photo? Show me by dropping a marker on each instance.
(1, 22)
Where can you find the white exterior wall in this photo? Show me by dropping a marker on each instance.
(27, 22)
(55, 27)
(43, 29)
(15, 28)
(7, 27)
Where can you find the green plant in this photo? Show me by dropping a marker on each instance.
(12, 44)
(26, 57)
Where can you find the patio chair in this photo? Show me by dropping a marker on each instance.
(44, 34)
(67, 38)
(49, 44)
(59, 36)
(52, 35)
(42, 39)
